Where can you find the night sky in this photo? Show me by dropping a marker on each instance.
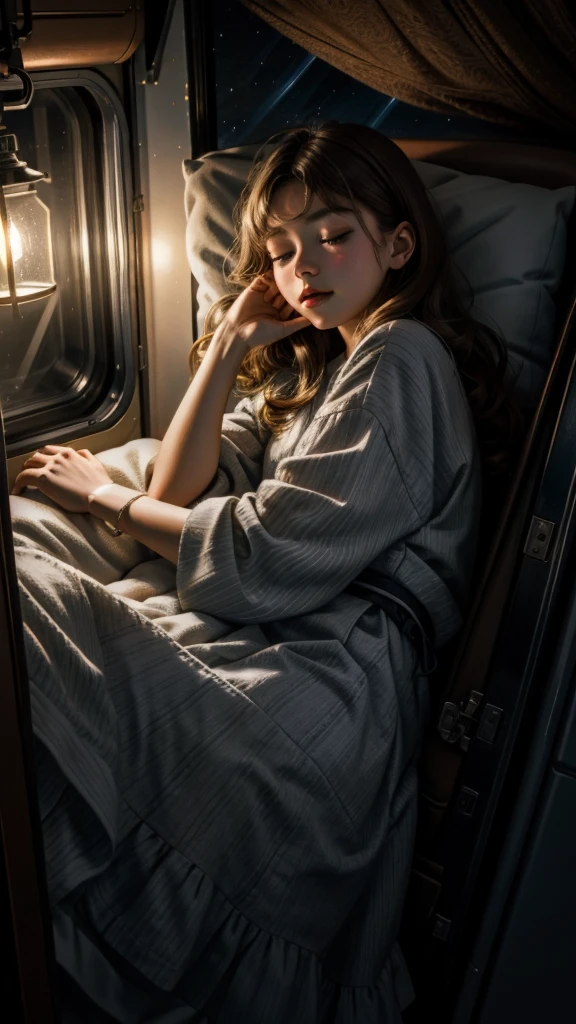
(264, 83)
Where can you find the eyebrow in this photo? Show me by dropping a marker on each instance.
(312, 217)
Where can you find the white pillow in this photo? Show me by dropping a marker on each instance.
(509, 239)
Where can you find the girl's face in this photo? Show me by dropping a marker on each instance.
(327, 252)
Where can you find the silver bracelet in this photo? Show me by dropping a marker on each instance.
(116, 531)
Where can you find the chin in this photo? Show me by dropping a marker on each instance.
(323, 321)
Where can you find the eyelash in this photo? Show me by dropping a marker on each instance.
(325, 241)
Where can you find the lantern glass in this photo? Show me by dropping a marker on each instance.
(30, 243)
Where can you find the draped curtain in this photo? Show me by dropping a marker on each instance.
(512, 62)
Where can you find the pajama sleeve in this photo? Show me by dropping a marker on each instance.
(296, 541)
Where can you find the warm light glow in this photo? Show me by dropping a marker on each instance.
(24, 291)
(15, 244)
(161, 255)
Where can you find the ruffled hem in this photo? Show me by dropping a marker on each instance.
(170, 923)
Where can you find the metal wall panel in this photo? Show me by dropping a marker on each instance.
(164, 142)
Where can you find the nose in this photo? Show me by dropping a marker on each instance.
(304, 265)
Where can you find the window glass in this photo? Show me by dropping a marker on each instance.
(65, 363)
(265, 83)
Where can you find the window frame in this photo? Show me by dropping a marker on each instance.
(117, 396)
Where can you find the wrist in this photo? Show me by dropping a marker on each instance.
(228, 343)
(101, 491)
(106, 501)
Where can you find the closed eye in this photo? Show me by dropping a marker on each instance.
(336, 239)
(324, 241)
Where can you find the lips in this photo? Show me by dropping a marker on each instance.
(312, 298)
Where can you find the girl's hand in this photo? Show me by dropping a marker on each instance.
(260, 315)
(65, 475)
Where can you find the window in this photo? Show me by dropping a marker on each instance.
(66, 366)
(265, 83)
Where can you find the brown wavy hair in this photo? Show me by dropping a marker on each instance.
(351, 161)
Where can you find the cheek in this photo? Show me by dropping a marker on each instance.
(281, 282)
(354, 260)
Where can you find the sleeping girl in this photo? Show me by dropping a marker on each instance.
(227, 734)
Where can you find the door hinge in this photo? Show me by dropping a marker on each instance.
(457, 722)
(141, 358)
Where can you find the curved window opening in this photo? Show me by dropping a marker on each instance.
(66, 364)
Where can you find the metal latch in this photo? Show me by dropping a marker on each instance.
(457, 722)
(489, 723)
(539, 538)
(441, 927)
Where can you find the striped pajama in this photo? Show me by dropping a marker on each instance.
(226, 749)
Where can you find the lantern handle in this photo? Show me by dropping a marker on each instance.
(20, 102)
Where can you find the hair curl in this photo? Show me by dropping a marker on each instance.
(354, 162)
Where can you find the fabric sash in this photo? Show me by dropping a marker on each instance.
(407, 611)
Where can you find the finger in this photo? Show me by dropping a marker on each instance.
(279, 301)
(27, 478)
(261, 283)
(291, 326)
(85, 453)
(54, 449)
(272, 288)
(36, 459)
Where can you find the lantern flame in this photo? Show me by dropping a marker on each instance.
(15, 244)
